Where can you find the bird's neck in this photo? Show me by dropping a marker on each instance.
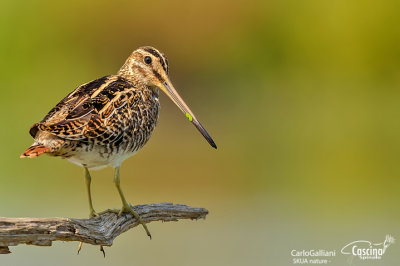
(135, 79)
(127, 73)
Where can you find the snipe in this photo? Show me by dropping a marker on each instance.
(105, 121)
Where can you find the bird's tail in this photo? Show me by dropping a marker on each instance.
(35, 150)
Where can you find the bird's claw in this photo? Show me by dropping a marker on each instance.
(79, 247)
(102, 250)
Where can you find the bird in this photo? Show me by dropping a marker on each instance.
(105, 121)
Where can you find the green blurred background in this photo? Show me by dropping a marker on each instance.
(301, 97)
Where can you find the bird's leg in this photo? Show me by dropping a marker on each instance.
(92, 213)
(88, 180)
(125, 205)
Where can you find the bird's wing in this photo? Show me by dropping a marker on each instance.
(92, 111)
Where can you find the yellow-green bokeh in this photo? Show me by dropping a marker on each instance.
(301, 97)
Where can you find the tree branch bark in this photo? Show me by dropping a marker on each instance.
(100, 230)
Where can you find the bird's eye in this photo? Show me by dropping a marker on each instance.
(147, 60)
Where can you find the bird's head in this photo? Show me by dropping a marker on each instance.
(149, 67)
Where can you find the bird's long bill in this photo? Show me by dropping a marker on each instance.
(173, 94)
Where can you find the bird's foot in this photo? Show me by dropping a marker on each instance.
(127, 208)
(110, 210)
(93, 213)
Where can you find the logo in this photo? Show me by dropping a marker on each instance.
(366, 250)
(312, 256)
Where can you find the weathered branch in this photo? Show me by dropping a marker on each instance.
(100, 230)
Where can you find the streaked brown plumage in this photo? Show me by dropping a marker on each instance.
(100, 123)
(105, 121)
